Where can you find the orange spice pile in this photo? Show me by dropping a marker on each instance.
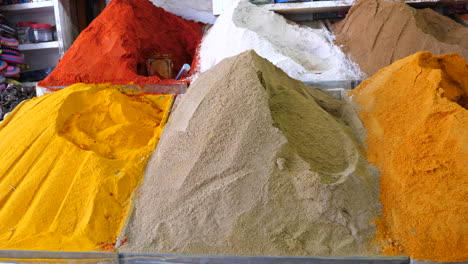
(415, 113)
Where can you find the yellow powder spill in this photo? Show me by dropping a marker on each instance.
(417, 123)
(70, 162)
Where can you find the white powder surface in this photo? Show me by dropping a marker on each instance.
(198, 10)
(253, 162)
(304, 53)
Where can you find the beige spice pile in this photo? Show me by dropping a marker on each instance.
(253, 162)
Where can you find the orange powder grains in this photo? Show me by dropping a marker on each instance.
(416, 116)
(115, 46)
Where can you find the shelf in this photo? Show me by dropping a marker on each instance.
(308, 7)
(30, 84)
(323, 6)
(28, 7)
(39, 46)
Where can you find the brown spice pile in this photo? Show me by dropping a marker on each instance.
(376, 33)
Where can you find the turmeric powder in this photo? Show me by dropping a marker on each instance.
(70, 162)
(415, 112)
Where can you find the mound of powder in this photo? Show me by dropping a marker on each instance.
(70, 162)
(302, 52)
(198, 10)
(253, 162)
(116, 44)
(375, 33)
(415, 112)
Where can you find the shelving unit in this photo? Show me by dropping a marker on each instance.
(28, 7)
(39, 46)
(324, 6)
(309, 7)
(53, 12)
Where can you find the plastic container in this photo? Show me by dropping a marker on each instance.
(54, 30)
(23, 31)
(41, 33)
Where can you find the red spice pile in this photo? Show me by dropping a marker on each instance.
(118, 42)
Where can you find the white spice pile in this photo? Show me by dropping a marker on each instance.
(253, 162)
(304, 53)
(198, 10)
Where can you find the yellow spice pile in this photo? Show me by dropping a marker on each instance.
(70, 162)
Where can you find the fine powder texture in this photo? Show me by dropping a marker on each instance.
(253, 162)
(302, 52)
(417, 122)
(71, 161)
(116, 44)
(376, 33)
(198, 10)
